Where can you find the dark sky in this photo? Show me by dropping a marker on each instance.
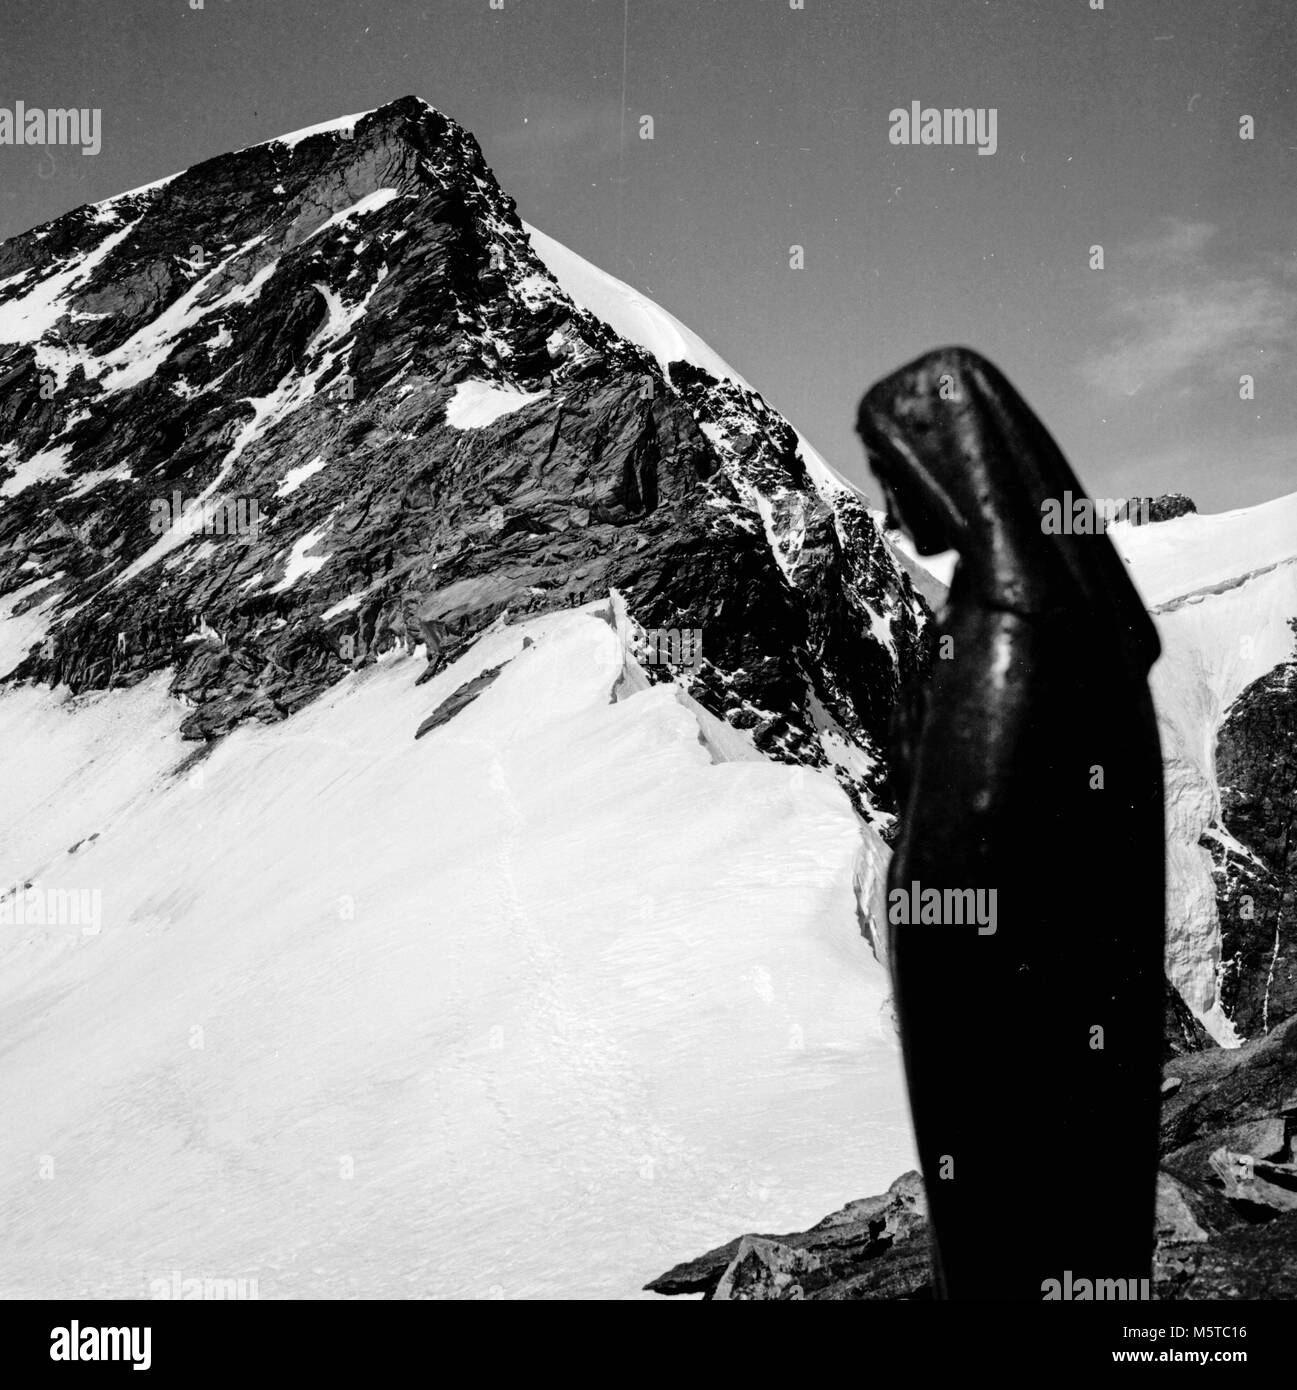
(1118, 127)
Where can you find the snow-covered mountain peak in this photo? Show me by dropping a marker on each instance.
(273, 413)
(445, 711)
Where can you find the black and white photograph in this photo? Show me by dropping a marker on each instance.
(648, 653)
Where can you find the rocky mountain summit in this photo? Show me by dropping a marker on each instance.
(336, 355)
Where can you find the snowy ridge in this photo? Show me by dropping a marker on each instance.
(1194, 554)
(639, 320)
(628, 313)
(343, 126)
(781, 480)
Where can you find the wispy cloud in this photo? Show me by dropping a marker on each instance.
(1179, 243)
(1193, 313)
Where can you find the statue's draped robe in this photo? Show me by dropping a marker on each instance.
(1030, 766)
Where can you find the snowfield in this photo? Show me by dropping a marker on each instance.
(534, 1006)
(475, 404)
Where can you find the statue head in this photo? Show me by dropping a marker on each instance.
(964, 464)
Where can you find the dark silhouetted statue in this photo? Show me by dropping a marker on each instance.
(1029, 772)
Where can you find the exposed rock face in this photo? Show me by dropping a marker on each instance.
(1244, 1262)
(845, 1247)
(1228, 1136)
(1164, 508)
(341, 356)
(1255, 853)
(1225, 1088)
(458, 700)
(1226, 1203)
(1143, 511)
(1181, 1031)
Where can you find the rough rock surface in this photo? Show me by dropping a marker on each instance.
(1226, 1224)
(1163, 508)
(458, 700)
(846, 1246)
(1181, 1031)
(1255, 858)
(339, 358)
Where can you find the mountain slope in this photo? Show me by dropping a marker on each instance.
(391, 915)
(517, 1009)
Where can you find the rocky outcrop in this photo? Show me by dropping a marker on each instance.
(1228, 1133)
(847, 1247)
(458, 700)
(1224, 1088)
(1140, 511)
(1254, 853)
(1245, 1262)
(1170, 505)
(1226, 1203)
(319, 397)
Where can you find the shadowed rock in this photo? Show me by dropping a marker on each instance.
(1215, 1238)
(831, 1251)
(458, 700)
(1256, 864)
